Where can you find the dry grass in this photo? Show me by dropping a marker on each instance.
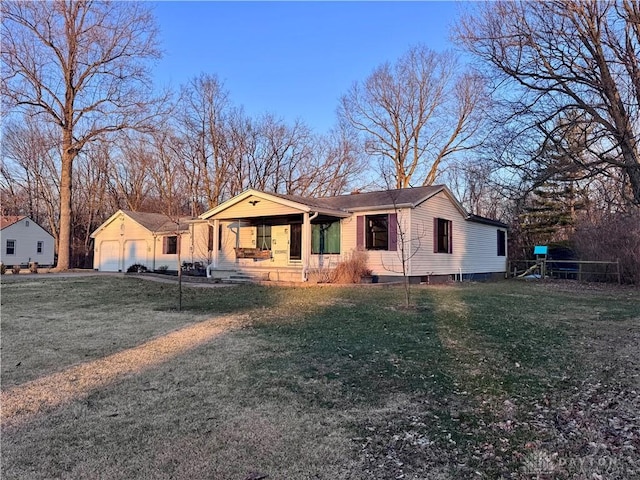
(479, 381)
(24, 401)
(352, 268)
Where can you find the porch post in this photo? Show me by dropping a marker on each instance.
(216, 241)
(306, 244)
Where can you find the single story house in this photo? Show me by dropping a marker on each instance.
(24, 241)
(285, 237)
(151, 239)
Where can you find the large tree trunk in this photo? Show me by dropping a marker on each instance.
(64, 239)
(633, 172)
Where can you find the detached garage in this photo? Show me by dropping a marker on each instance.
(129, 238)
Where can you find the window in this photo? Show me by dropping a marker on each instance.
(502, 243)
(377, 232)
(325, 238)
(170, 245)
(263, 242)
(39, 247)
(210, 238)
(26, 223)
(11, 247)
(442, 236)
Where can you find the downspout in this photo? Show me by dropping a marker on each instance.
(153, 263)
(306, 243)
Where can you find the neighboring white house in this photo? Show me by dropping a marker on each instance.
(285, 237)
(24, 241)
(150, 239)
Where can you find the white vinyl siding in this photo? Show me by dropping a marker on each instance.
(135, 244)
(381, 262)
(263, 208)
(26, 240)
(474, 244)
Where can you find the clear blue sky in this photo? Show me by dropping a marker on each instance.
(293, 59)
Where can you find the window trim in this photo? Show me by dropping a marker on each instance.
(363, 238)
(261, 238)
(166, 245)
(439, 238)
(322, 231)
(502, 243)
(13, 247)
(372, 240)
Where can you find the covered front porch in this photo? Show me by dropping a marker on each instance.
(272, 238)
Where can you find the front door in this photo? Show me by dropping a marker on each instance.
(286, 244)
(280, 245)
(295, 242)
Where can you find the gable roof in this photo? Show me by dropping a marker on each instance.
(403, 197)
(303, 204)
(154, 222)
(342, 205)
(158, 222)
(8, 220)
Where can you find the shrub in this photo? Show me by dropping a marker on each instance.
(3, 269)
(16, 269)
(136, 268)
(612, 236)
(163, 268)
(352, 268)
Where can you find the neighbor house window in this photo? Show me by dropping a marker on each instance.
(325, 238)
(170, 245)
(263, 242)
(377, 232)
(502, 243)
(442, 238)
(39, 247)
(11, 247)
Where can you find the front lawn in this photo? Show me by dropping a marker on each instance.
(103, 378)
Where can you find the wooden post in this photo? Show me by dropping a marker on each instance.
(579, 271)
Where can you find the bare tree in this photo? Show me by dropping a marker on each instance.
(171, 186)
(334, 167)
(81, 65)
(91, 175)
(130, 172)
(203, 110)
(30, 171)
(581, 56)
(415, 113)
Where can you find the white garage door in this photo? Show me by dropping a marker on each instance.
(135, 252)
(109, 256)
